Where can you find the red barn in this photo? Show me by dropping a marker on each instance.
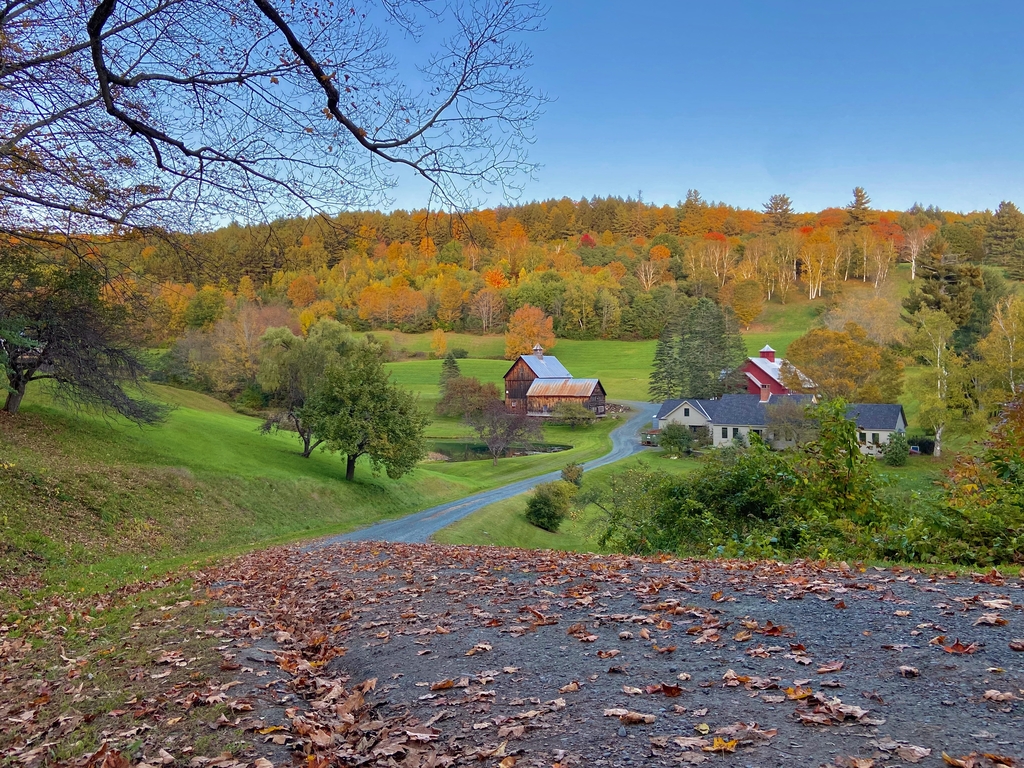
(764, 375)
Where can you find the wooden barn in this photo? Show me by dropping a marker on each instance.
(535, 384)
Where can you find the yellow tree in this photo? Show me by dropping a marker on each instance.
(1002, 350)
(747, 301)
(314, 312)
(528, 326)
(438, 343)
(838, 362)
(451, 298)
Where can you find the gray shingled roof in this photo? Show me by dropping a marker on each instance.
(546, 367)
(667, 407)
(748, 410)
(733, 410)
(876, 415)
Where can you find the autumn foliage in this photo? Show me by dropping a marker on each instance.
(527, 327)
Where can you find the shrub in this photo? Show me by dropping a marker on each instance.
(550, 504)
(573, 473)
(573, 414)
(459, 353)
(926, 444)
(676, 439)
(896, 452)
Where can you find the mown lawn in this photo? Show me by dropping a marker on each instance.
(622, 366)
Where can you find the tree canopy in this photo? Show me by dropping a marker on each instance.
(356, 411)
(56, 325)
(135, 115)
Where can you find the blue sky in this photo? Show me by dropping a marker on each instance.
(916, 102)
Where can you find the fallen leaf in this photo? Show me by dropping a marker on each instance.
(570, 688)
(906, 671)
(959, 648)
(994, 695)
(912, 754)
(832, 666)
(721, 745)
(991, 620)
(798, 693)
(608, 654)
(854, 762)
(690, 742)
(1017, 645)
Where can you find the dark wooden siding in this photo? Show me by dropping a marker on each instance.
(597, 401)
(517, 382)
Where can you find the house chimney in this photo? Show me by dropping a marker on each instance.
(538, 351)
(766, 393)
(768, 353)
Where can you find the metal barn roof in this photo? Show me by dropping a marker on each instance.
(562, 387)
(546, 367)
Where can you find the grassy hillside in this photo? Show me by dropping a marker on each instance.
(87, 502)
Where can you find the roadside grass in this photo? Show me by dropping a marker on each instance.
(92, 674)
(504, 523)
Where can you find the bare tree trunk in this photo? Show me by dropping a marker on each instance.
(14, 398)
(350, 466)
(937, 452)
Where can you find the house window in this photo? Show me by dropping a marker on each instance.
(725, 433)
(874, 438)
(735, 431)
(862, 437)
(686, 413)
(757, 432)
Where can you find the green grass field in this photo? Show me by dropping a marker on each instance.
(622, 366)
(89, 502)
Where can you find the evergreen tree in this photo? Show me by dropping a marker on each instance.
(948, 284)
(779, 213)
(859, 208)
(693, 356)
(1004, 241)
(663, 382)
(449, 370)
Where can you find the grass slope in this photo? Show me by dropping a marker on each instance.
(87, 503)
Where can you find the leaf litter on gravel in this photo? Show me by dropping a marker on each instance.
(330, 617)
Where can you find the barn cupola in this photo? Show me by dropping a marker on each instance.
(538, 351)
(768, 353)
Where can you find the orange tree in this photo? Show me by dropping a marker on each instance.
(528, 326)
